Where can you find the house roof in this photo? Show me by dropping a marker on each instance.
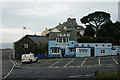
(53, 36)
(62, 30)
(54, 30)
(38, 38)
(35, 38)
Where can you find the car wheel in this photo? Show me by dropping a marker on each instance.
(36, 60)
(31, 61)
(23, 62)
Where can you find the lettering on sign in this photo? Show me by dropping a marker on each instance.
(63, 35)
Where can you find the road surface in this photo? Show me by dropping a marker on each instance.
(6, 64)
(69, 68)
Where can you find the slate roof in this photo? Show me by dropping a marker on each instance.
(53, 36)
(61, 29)
(35, 38)
(38, 38)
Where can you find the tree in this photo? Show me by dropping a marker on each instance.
(84, 39)
(78, 34)
(89, 31)
(109, 32)
(96, 19)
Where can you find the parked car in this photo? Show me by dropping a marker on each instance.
(29, 58)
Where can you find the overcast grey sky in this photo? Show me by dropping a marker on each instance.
(36, 16)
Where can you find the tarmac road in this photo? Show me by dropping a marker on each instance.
(6, 64)
(58, 68)
(84, 72)
(64, 68)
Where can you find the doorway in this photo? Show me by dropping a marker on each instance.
(92, 52)
(63, 52)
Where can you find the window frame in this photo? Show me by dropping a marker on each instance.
(72, 50)
(102, 51)
(26, 45)
(72, 42)
(81, 51)
(62, 40)
(55, 51)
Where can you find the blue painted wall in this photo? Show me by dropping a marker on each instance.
(108, 51)
(78, 54)
(73, 44)
(97, 49)
(116, 50)
(66, 46)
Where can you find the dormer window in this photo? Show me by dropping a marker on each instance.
(64, 35)
(68, 35)
(60, 35)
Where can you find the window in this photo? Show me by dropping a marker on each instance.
(96, 45)
(62, 40)
(77, 45)
(82, 44)
(71, 42)
(72, 50)
(83, 51)
(103, 45)
(64, 35)
(57, 40)
(68, 35)
(58, 34)
(113, 49)
(25, 45)
(88, 45)
(102, 51)
(55, 50)
(67, 40)
(61, 35)
(108, 45)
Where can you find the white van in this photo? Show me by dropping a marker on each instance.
(29, 58)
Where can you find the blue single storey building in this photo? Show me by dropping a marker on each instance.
(65, 45)
(93, 49)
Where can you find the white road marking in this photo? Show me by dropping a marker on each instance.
(68, 62)
(115, 60)
(75, 76)
(110, 66)
(55, 63)
(15, 62)
(99, 61)
(83, 62)
(17, 66)
(11, 69)
(81, 75)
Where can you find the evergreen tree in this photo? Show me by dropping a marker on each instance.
(89, 31)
